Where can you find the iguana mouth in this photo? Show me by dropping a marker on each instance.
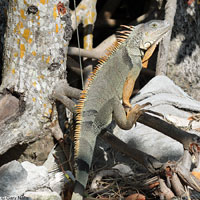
(162, 36)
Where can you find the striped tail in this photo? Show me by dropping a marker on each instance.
(87, 141)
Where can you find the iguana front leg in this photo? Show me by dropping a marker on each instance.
(131, 78)
(128, 89)
(123, 120)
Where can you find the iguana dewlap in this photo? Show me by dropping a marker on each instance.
(100, 102)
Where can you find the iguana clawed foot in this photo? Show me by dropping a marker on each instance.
(137, 110)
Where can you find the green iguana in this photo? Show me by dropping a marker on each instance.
(112, 80)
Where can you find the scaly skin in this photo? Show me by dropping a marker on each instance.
(113, 80)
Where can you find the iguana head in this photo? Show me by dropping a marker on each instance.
(143, 36)
(153, 32)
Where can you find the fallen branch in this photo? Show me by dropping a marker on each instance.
(185, 138)
(148, 161)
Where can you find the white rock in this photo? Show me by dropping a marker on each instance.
(43, 195)
(37, 175)
(13, 179)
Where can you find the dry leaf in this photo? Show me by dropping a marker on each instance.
(136, 197)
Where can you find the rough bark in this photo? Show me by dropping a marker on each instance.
(3, 19)
(36, 43)
(161, 67)
(183, 59)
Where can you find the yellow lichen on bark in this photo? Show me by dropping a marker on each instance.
(22, 14)
(45, 105)
(34, 99)
(82, 7)
(78, 19)
(42, 1)
(88, 45)
(55, 12)
(38, 15)
(33, 53)
(22, 50)
(34, 84)
(48, 59)
(18, 27)
(90, 18)
(16, 54)
(21, 25)
(30, 40)
(25, 2)
(13, 71)
(56, 28)
(41, 77)
(26, 34)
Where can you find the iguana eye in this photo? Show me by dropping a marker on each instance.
(154, 25)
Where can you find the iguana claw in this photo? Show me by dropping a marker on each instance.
(137, 109)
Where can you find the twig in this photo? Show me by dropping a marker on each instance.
(94, 185)
(97, 52)
(188, 178)
(165, 190)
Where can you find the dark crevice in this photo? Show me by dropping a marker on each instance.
(13, 154)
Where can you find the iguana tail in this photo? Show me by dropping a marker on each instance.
(83, 158)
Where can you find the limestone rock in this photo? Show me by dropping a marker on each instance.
(13, 179)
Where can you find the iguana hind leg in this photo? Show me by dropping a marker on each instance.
(123, 120)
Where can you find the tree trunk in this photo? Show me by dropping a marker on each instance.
(36, 44)
(183, 60)
(3, 19)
